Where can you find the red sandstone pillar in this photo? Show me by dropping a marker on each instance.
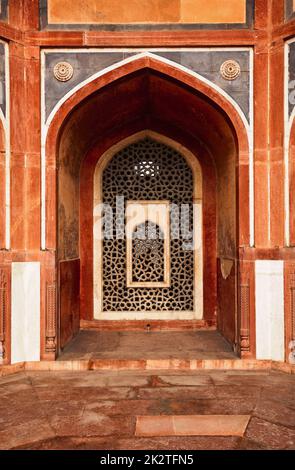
(261, 111)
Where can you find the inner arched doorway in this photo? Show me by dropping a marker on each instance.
(176, 108)
(157, 181)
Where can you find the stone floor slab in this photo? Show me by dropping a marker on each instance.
(142, 345)
(198, 425)
(270, 435)
(98, 409)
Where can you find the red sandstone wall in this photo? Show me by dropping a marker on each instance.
(292, 186)
(69, 285)
(146, 11)
(227, 303)
(2, 187)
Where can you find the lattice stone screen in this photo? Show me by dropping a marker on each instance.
(151, 171)
(148, 253)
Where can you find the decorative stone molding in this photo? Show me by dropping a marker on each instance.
(290, 310)
(245, 292)
(292, 305)
(50, 341)
(63, 71)
(245, 318)
(230, 70)
(3, 311)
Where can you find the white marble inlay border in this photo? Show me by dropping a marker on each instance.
(6, 126)
(269, 299)
(25, 312)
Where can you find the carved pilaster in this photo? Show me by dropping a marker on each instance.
(3, 311)
(245, 318)
(50, 340)
(245, 306)
(292, 305)
(290, 311)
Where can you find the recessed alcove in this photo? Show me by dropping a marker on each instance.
(150, 102)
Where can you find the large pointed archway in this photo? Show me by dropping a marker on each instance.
(148, 94)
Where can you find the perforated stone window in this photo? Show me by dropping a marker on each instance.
(148, 171)
(148, 254)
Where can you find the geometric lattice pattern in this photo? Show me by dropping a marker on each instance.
(148, 170)
(148, 253)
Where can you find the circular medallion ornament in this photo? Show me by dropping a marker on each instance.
(230, 69)
(63, 71)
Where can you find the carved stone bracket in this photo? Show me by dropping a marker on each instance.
(50, 340)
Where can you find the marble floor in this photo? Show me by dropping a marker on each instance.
(102, 409)
(147, 345)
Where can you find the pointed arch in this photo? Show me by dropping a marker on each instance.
(218, 98)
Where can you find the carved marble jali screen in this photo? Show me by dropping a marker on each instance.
(147, 260)
(155, 273)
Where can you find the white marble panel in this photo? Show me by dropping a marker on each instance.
(25, 306)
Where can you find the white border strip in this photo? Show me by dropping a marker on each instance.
(6, 126)
(288, 122)
(8, 203)
(142, 53)
(250, 133)
(44, 131)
